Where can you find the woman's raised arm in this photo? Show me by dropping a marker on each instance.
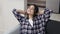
(46, 14)
(21, 11)
(17, 14)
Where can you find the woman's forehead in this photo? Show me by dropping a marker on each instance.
(31, 5)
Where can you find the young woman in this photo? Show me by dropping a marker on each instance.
(34, 21)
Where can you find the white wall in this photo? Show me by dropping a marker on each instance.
(53, 5)
(1, 19)
(7, 18)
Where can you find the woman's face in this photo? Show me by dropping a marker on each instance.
(30, 10)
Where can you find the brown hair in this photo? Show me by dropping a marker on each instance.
(36, 10)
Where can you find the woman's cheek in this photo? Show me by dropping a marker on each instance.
(32, 12)
(28, 11)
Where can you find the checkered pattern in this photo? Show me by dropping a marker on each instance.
(38, 23)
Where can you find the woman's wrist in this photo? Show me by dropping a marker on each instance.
(21, 11)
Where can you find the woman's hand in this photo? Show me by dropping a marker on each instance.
(41, 12)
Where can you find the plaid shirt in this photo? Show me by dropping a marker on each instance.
(38, 23)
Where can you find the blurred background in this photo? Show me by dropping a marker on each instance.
(10, 25)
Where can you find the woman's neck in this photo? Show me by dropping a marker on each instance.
(30, 17)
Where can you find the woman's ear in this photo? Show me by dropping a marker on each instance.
(41, 12)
